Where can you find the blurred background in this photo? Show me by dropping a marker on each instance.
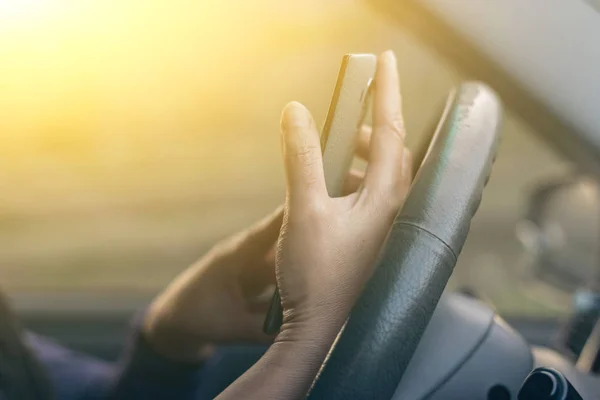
(134, 135)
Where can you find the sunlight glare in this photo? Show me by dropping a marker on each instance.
(16, 12)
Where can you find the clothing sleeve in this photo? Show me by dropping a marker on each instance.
(141, 374)
(74, 376)
(144, 374)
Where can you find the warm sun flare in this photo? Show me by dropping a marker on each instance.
(17, 12)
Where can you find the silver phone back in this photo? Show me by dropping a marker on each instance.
(339, 135)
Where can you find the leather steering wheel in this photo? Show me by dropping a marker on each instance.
(388, 320)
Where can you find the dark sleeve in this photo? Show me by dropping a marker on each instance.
(141, 374)
(74, 376)
(144, 374)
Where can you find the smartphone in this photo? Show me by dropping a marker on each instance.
(347, 110)
(349, 106)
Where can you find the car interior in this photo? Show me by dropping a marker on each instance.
(122, 173)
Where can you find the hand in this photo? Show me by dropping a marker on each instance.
(223, 297)
(328, 246)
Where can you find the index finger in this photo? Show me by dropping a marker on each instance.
(384, 172)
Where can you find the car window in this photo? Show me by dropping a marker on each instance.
(134, 139)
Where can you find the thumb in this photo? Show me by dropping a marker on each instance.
(302, 155)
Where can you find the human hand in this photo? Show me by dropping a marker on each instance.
(221, 298)
(328, 246)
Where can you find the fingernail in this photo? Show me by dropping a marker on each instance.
(295, 115)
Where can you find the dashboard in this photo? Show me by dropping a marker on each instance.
(469, 352)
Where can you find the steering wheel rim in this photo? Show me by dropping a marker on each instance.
(385, 326)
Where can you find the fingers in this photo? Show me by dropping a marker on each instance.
(259, 301)
(353, 181)
(355, 178)
(406, 175)
(259, 238)
(364, 141)
(302, 155)
(385, 170)
(257, 273)
(255, 256)
(253, 329)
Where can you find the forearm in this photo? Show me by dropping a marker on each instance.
(288, 368)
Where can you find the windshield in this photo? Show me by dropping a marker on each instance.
(135, 138)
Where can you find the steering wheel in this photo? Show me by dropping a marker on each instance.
(375, 346)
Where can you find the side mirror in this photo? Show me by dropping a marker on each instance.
(561, 231)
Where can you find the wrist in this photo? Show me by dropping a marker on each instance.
(290, 365)
(312, 330)
(285, 371)
(321, 321)
(295, 357)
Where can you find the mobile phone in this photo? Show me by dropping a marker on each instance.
(347, 110)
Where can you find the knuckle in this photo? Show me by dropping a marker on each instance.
(306, 154)
(305, 162)
(393, 125)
